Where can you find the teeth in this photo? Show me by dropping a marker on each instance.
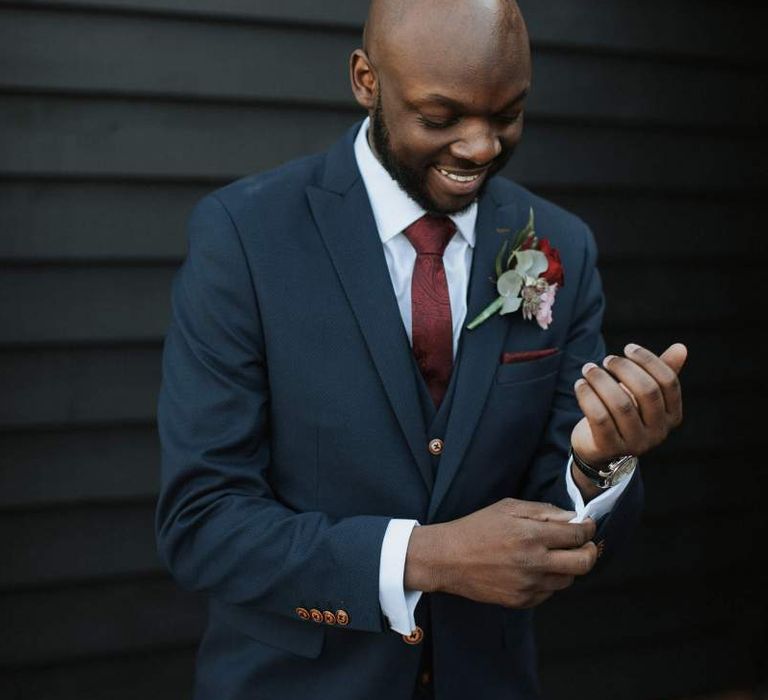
(459, 178)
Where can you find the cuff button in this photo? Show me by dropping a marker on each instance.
(303, 613)
(342, 618)
(316, 615)
(330, 618)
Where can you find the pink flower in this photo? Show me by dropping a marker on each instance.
(544, 312)
(538, 299)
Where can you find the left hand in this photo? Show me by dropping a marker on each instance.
(630, 405)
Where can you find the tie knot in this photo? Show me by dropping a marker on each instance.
(430, 234)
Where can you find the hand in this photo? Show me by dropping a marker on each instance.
(512, 553)
(630, 406)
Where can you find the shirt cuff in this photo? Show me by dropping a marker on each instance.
(600, 505)
(397, 604)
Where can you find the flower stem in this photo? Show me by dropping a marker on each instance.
(486, 313)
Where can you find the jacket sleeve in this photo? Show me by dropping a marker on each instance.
(220, 527)
(584, 343)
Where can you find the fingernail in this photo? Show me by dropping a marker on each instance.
(588, 367)
(580, 383)
(608, 359)
(629, 349)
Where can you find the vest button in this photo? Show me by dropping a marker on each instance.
(436, 446)
(414, 637)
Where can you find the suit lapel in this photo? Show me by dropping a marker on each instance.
(344, 217)
(479, 349)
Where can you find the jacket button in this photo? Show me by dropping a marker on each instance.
(436, 446)
(330, 618)
(303, 613)
(316, 615)
(342, 618)
(414, 637)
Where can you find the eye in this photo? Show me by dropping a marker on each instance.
(432, 124)
(509, 118)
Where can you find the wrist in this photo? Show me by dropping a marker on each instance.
(423, 559)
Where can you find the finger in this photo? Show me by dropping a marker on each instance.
(566, 535)
(605, 434)
(648, 395)
(621, 407)
(675, 356)
(572, 562)
(665, 376)
(534, 510)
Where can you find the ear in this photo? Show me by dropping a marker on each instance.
(363, 78)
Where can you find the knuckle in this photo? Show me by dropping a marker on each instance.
(653, 394)
(626, 407)
(601, 420)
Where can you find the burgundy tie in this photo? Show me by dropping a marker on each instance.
(430, 304)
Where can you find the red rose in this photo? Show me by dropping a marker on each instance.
(554, 273)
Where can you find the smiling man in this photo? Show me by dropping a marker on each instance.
(372, 496)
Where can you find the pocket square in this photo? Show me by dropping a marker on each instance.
(526, 355)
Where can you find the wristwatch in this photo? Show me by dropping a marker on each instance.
(614, 473)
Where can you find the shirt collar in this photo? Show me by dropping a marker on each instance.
(393, 209)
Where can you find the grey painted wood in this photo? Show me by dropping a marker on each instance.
(715, 29)
(61, 220)
(172, 140)
(159, 673)
(73, 465)
(85, 303)
(83, 52)
(43, 220)
(56, 387)
(70, 544)
(80, 303)
(108, 618)
(67, 544)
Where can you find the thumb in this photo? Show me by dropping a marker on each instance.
(675, 356)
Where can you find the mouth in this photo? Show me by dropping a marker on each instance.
(460, 182)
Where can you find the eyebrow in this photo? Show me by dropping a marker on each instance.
(453, 104)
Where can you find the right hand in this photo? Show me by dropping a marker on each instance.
(512, 553)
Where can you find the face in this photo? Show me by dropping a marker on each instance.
(442, 129)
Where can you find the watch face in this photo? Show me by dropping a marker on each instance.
(624, 470)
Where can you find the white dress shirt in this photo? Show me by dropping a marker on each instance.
(394, 211)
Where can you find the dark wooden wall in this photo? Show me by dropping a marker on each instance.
(116, 115)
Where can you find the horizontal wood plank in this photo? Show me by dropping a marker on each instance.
(75, 465)
(60, 220)
(57, 136)
(131, 303)
(76, 387)
(96, 621)
(627, 26)
(49, 387)
(68, 544)
(161, 673)
(85, 52)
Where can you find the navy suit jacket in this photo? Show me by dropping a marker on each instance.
(291, 433)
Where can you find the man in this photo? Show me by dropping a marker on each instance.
(373, 496)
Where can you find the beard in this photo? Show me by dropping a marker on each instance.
(413, 181)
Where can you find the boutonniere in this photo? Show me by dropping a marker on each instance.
(528, 275)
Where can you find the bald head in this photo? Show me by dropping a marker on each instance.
(489, 26)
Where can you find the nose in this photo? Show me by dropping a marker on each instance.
(479, 144)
